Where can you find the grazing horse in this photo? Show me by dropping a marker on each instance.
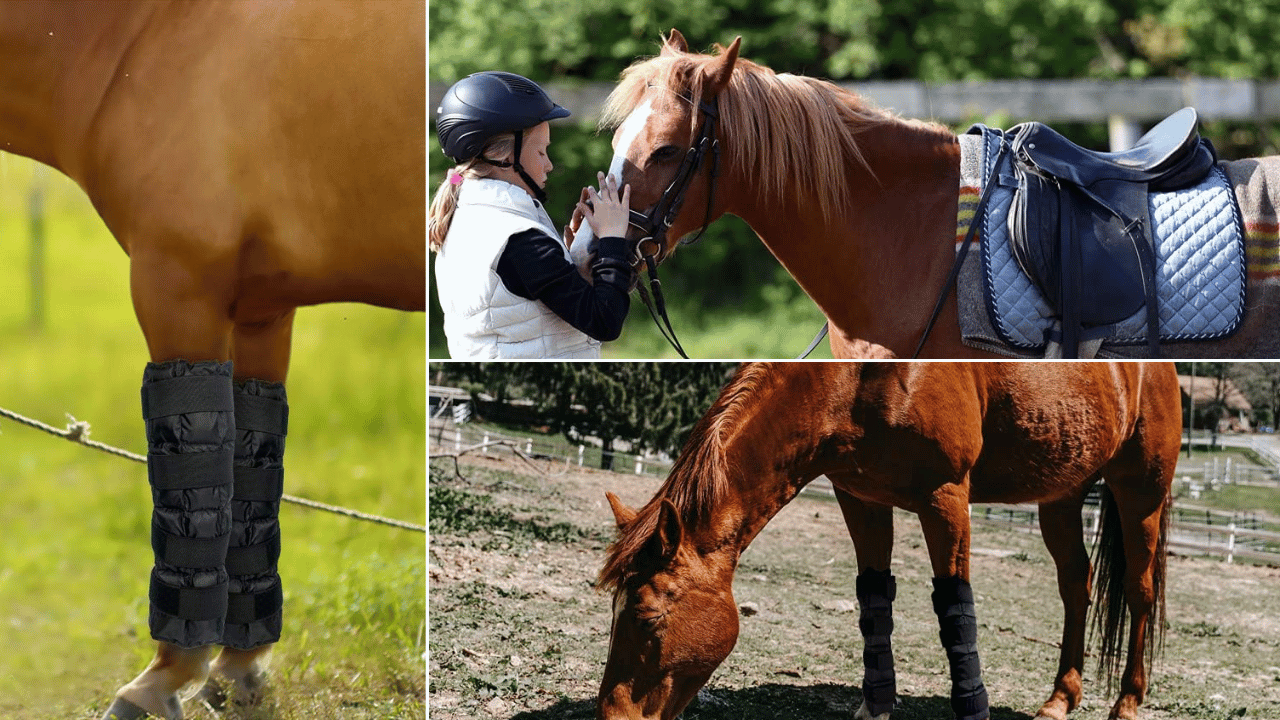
(860, 206)
(929, 438)
(251, 158)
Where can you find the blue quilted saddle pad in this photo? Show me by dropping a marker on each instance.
(1200, 262)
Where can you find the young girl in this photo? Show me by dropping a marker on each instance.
(503, 274)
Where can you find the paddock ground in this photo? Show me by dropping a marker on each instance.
(517, 630)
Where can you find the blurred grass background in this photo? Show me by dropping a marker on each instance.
(76, 555)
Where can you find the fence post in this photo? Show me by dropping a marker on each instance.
(485, 449)
(1231, 540)
(581, 449)
(1122, 132)
(528, 446)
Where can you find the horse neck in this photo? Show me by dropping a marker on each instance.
(770, 451)
(876, 269)
(57, 60)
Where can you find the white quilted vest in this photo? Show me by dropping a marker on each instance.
(482, 319)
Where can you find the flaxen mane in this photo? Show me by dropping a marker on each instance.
(698, 479)
(795, 133)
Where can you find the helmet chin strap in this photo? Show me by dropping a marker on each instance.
(537, 191)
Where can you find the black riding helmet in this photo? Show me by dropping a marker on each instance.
(485, 104)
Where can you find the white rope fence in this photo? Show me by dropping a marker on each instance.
(77, 431)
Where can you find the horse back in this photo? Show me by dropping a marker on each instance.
(1021, 432)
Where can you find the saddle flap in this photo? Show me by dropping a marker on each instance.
(1051, 225)
(1033, 230)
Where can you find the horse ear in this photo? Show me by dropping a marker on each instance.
(622, 514)
(670, 530)
(721, 69)
(674, 43)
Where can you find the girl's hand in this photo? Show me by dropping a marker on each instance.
(609, 210)
(575, 222)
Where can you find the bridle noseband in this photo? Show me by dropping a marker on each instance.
(651, 248)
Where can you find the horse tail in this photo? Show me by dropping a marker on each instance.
(1110, 609)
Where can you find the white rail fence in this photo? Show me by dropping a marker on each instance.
(447, 436)
(1194, 530)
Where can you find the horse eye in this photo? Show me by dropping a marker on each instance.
(665, 153)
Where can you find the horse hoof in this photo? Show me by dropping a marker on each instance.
(221, 694)
(213, 695)
(122, 709)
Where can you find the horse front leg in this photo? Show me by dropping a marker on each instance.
(1063, 533)
(945, 521)
(239, 675)
(188, 408)
(871, 528)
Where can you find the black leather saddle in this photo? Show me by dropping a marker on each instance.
(1080, 226)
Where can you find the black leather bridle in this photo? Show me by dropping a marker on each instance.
(651, 248)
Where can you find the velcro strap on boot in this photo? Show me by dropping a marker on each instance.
(207, 603)
(189, 552)
(185, 394)
(262, 414)
(250, 607)
(186, 471)
(254, 559)
(259, 484)
(958, 631)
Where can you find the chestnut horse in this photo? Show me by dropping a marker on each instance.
(929, 438)
(860, 206)
(251, 158)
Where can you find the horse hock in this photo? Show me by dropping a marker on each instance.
(958, 623)
(876, 591)
(254, 594)
(189, 409)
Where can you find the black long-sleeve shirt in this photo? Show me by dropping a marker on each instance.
(532, 265)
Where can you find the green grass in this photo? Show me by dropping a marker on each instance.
(75, 557)
(1244, 498)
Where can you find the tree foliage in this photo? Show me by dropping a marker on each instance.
(1259, 383)
(651, 406)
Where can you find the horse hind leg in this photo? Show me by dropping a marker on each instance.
(1139, 571)
(1063, 534)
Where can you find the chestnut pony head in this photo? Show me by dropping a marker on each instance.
(674, 618)
(780, 136)
(665, 112)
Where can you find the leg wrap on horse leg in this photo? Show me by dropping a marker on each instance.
(188, 409)
(958, 620)
(253, 611)
(876, 591)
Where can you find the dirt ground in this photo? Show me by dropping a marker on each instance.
(518, 631)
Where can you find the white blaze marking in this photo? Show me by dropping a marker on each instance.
(630, 129)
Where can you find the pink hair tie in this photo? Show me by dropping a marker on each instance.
(455, 178)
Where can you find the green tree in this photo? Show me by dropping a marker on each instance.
(649, 406)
